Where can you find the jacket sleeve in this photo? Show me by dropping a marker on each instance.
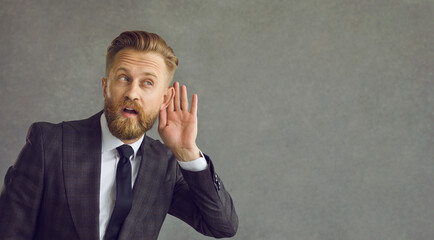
(201, 200)
(22, 190)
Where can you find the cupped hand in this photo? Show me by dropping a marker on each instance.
(178, 126)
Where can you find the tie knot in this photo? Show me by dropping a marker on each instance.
(125, 151)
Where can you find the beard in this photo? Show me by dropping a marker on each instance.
(127, 128)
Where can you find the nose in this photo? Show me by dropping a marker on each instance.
(133, 91)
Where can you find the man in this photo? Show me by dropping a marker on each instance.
(102, 177)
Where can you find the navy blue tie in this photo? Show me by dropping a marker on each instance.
(124, 193)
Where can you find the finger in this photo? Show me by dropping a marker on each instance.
(177, 97)
(162, 119)
(184, 98)
(194, 103)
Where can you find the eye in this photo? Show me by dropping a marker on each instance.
(123, 78)
(148, 83)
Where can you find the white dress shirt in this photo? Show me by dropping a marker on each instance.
(109, 161)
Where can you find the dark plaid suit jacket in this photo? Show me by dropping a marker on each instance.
(52, 190)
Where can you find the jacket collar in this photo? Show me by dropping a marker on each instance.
(82, 169)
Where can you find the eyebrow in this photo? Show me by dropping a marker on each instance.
(144, 73)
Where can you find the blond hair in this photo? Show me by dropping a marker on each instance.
(142, 41)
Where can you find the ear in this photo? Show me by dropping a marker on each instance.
(167, 97)
(104, 86)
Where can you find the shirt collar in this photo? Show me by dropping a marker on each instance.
(110, 142)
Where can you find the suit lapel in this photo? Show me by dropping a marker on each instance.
(82, 169)
(151, 172)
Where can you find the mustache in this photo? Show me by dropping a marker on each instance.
(130, 103)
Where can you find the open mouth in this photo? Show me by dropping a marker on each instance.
(130, 110)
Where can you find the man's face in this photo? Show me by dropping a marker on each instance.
(134, 92)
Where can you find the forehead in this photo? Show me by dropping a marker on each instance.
(140, 62)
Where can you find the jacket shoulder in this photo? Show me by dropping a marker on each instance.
(157, 146)
(88, 123)
(46, 130)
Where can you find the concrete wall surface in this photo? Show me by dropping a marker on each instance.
(318, 114)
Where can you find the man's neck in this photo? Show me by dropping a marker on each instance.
(130, 141)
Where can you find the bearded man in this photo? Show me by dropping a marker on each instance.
(102, 177)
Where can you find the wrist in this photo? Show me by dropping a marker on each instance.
(187, 154)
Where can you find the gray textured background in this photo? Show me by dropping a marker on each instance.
(318, 113)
